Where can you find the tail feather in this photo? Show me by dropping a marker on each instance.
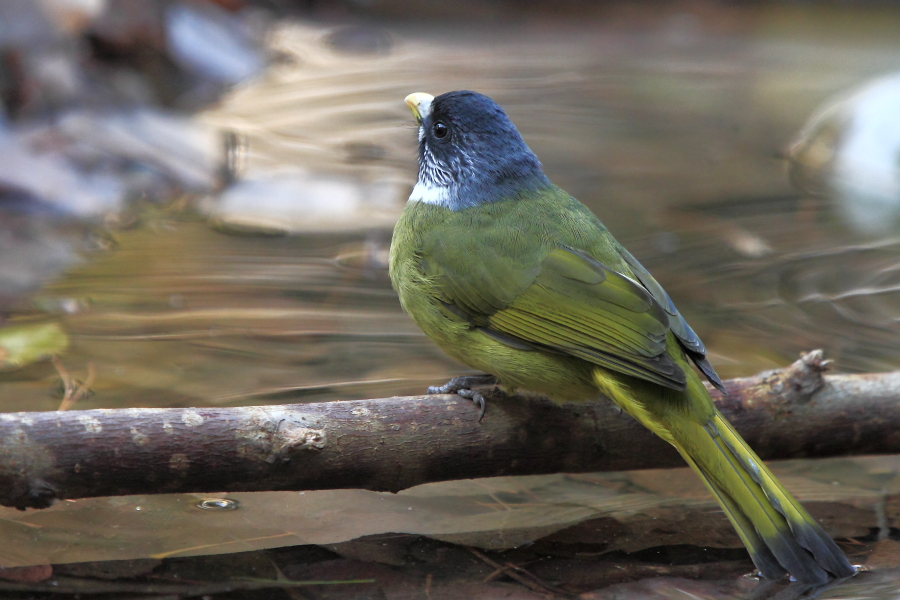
(806, 531)
(779, 534)
(762, 557)
(763, 511)
(715, 462)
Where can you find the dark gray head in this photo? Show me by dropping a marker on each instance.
(470, 153)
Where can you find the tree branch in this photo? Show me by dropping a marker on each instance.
(395, 443)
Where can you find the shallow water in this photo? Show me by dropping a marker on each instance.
(670, 127)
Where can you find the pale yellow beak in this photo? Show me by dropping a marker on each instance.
(420, 105)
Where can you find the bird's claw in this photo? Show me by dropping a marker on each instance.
(462, 386)
(475, 397)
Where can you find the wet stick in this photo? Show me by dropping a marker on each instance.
(395, 443)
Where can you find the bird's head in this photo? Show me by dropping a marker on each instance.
(470, 153)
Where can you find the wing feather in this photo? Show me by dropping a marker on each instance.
(568, 303)
(689, 340)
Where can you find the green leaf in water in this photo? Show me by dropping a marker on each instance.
(25, 343)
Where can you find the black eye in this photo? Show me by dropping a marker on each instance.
(439, 130)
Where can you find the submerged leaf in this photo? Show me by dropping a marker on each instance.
(26, 343)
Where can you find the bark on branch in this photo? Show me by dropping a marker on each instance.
(395, 443)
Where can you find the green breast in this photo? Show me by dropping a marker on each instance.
(497, 249)
(523, 230)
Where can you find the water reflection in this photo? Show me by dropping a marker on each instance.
(218, 504)
(671, 137)
(183, 315)
(850, 151)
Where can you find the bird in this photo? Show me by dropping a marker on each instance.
(514, 277)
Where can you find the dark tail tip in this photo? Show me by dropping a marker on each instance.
(711, 375)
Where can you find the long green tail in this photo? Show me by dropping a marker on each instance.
(777, 531)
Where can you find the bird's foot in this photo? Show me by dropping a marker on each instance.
(462, 386)
(475, 397)
(462, 382)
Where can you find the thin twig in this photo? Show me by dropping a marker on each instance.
(497, 573)
(72, 394)
(66, 379)
(521, 575)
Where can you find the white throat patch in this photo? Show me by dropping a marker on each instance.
(430, 194)
(428, 189)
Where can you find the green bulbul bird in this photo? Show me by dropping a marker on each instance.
(511, 275)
